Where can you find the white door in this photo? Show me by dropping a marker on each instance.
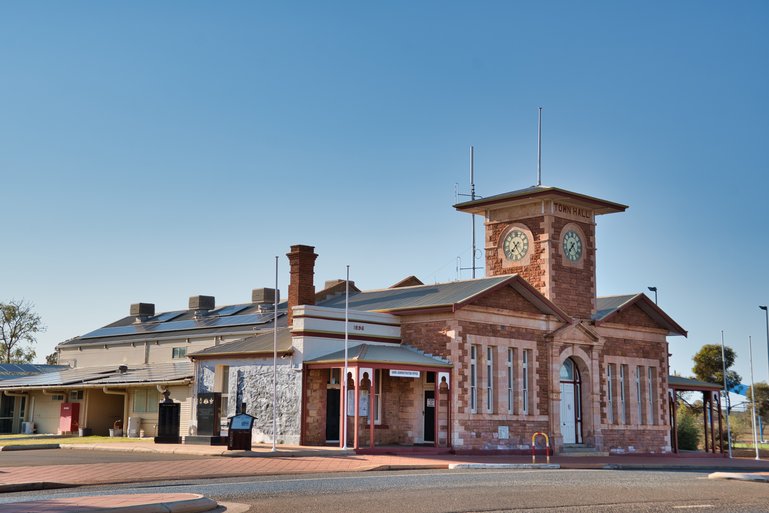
(568, 424)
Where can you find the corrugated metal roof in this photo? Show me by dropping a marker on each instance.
(393, 355)
(261, 343)
(122, 331)
(154, 373)
(604, 306)
(420, 296)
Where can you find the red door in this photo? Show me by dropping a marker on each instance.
(68, 418)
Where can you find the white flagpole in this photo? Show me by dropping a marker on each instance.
(726, 396)
(346, 333)
(752, 396)
(275, 362)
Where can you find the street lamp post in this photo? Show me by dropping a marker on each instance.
(654, 289)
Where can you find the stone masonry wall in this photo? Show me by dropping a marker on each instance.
(573, 285)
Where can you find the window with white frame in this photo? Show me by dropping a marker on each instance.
(622, 411)
(609, 394)
(489, 380)
(525, 381)
(145, 400)
(639, 402)
(473, 378)
(179, 352)
(650, 394)
(510, 380)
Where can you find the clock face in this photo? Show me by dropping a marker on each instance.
(572, 245)
(515, 245)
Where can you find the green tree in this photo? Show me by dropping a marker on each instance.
(18, 326)
(708, 365)
(762, 399)
(52, 359)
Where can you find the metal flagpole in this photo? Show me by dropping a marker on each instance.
(752, 396)
(346, 337)
(275, 362)
(726, 393)
(539, 148)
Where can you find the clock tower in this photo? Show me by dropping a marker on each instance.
(546, 235)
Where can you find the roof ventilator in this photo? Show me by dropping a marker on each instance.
(202, 305)
(142, 311)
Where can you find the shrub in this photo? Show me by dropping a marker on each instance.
(688, 430)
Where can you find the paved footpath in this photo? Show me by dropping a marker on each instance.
(300, 460)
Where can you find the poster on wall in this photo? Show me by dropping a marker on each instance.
(362, 403)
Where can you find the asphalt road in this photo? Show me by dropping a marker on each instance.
(485, 491)
(76, 456)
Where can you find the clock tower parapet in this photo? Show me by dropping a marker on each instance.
(546, 235)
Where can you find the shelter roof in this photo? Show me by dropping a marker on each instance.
(155, 373)
(680, 383)
(449, 296)
(383, 354)
(537, 192)
(262, 343)
(608, 307)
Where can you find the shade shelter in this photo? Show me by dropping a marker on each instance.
(711, 393)
(411, 389)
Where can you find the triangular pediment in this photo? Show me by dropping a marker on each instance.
(517, 295)
(576, 333)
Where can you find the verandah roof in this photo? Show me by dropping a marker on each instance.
(387, 355)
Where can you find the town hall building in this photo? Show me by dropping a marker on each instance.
(471, 365)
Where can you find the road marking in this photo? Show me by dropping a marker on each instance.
(694, 506)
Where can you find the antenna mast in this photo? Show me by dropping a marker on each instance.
(539, 148)
(473, 197)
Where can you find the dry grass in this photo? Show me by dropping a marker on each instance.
(66, 440)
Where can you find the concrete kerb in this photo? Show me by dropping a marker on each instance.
(492, 466)
(30, 447)
(185, 503)
(740, 476)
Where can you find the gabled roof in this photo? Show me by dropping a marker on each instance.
(599, 206)
(608, 307)
(384, 354)
(263, 343)
(105, 376)
(442, 296)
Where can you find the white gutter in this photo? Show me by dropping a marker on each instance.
(63, 388)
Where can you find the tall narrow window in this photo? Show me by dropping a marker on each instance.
(473, 378)
(378, 397)
(525, 381)
(639, 402)
(650, 394)
(489, 380)
(622, 411)
(609, 394)
(510, 380)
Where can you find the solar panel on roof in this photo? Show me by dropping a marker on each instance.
(167, 316)
(230, 310)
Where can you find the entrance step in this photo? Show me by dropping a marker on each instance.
(580, 450)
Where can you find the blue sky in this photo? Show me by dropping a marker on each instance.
(150, 151)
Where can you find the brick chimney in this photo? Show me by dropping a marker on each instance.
(301, 288)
